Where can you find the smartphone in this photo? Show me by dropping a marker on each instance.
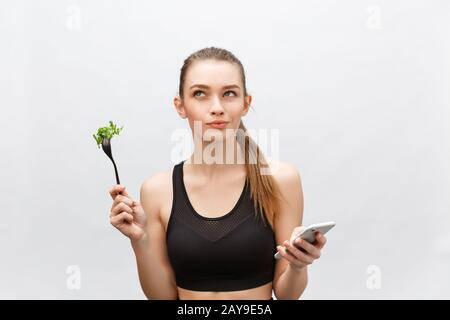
(309, 234)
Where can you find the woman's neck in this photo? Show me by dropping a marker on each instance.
(214, 159)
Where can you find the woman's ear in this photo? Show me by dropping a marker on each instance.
(247, 102)
(178, 103)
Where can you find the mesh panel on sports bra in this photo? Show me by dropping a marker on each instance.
(212, 229)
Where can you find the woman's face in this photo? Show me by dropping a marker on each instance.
(213, 90)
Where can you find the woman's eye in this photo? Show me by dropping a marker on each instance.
(195, 92)
(232, 92)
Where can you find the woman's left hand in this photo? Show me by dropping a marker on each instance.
(301, 252)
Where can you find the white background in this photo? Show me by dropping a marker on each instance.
(359, 91)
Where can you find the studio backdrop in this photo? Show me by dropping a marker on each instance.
(355, 92)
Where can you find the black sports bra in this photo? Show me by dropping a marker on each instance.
(228, 253)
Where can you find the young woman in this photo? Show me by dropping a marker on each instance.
(210, 229)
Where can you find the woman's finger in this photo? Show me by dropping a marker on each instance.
(321, 240)
(118, 189)
(284, 254)
(310, 248)
(120, 208)
(289, 257)
(123, 199)
(119, 219)
(298, 254)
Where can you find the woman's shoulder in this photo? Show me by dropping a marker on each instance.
(291, 208)
(157, 187)
(287, 178)
(284, 172)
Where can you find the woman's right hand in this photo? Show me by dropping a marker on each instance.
(127, 215)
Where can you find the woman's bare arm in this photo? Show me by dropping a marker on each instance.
(156, 275)
(289, 283)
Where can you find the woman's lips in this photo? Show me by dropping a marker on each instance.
(218, 125)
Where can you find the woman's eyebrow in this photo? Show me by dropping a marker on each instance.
(207, 87)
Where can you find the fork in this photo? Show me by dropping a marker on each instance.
(106, 146)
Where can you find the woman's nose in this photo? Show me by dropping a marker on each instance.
(216, 108)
